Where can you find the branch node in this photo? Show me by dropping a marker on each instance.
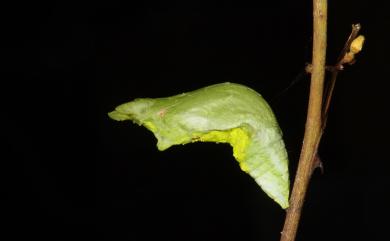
(317, 163)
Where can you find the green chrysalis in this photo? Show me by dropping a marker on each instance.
(222, 113)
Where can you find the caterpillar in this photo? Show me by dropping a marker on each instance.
(223, 113)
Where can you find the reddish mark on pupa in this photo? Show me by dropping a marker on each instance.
(162, 112)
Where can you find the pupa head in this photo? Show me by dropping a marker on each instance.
(136, 110)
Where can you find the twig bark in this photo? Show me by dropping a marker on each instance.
(313, 122)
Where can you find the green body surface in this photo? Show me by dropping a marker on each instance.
(222, 113)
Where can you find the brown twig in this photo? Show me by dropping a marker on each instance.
(317, 113)
(313, 122)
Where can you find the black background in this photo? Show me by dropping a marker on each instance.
(71, 173)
